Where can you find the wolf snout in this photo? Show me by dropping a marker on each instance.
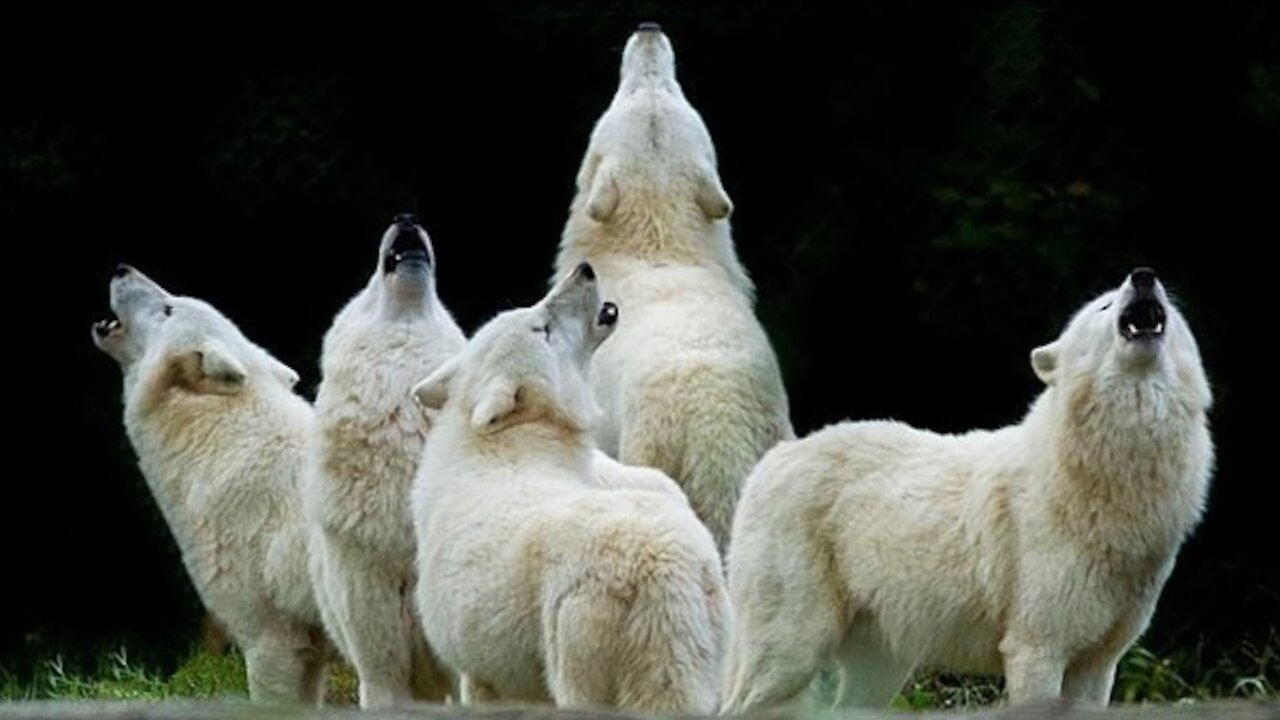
(408, 244)
(1143, 278)
(105, 327)
(121, 270)
(1144, 315)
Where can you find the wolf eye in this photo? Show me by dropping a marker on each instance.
(545, 330)
(168, 310)
(1104, 307)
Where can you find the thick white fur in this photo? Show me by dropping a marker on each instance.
(689, 383)
(220, 439)
(1037, 550)
(363, 455)
(555, 573)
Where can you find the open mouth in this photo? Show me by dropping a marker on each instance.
(1144, 318)
(107, 325)
(407, 248)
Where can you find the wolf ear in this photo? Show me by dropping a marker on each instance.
(499, 398)
(1044, 361)
(602, 198)
(222, 372)
(286, 374)
(432, 393)
(712, 198)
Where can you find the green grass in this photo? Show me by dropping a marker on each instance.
(1248, 671)
(115, 676)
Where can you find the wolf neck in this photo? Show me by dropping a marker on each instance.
(527, 445)
(655, 232)
(184, 440)
(131, 379)
(1135, 449)
(369, 367)
(406, 304)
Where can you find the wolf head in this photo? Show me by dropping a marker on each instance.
(192, 344)
(1131, 335)
(404, 280)
(400, 294)
(528, 364)
(650, 141)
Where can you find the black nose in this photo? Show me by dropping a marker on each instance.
(406, 220)
(121, 270)
(587, 271)
(648, 26)
(1143, 278)
(608, 314)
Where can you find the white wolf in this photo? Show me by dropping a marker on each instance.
(544, 574)
(220, 439)
(690, 384)
(365, 449)
(1038, 550)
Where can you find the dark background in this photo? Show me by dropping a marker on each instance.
(923, 194)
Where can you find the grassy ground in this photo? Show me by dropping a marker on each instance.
(118, 677)
(1250, 671)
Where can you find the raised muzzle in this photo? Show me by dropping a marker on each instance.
(408, 249)
(1143, 316)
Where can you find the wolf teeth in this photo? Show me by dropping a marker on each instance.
(1133, 329)
(1159, 328)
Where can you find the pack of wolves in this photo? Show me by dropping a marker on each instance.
(599, 501)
